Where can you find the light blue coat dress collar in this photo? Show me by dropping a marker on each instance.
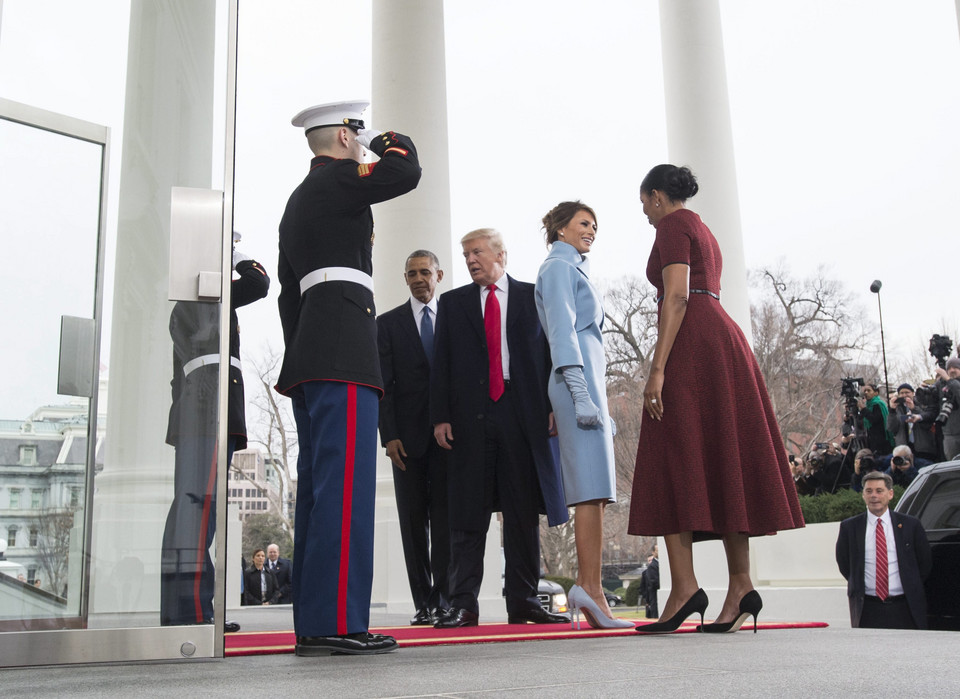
(566, 252)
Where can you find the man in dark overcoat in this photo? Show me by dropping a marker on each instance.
(489, 407)
(331, 370)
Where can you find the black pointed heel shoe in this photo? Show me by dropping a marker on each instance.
(695, 605)
(750, 605)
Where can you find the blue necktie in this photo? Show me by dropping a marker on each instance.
(426, 334)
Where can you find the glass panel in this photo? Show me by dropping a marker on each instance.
(161, 88)
(49, 212)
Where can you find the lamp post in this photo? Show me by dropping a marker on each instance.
(875, 288)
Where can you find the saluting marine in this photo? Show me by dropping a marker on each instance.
(331, 369)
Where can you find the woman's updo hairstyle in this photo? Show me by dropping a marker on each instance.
(678, 183)
(559, 216)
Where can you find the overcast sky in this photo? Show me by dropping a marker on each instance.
(844, 114)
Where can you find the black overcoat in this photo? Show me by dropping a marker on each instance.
(459, 395)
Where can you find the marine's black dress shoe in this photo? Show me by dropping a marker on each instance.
(537, 616)
(423, 617)
(230, 627)
(362, 643)
(456, 618)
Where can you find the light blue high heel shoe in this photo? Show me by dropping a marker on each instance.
(580, 601)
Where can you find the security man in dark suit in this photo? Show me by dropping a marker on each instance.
(489, 408)
(283, 571)
(405, 335)
(186, 569)
(885, 557)
(331, 370)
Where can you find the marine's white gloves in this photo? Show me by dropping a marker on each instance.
(365, 136)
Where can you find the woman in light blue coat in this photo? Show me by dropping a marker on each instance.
(572, 316)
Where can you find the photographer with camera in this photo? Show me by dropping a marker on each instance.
(903, 415)
(902, 466)
(826, 469)
(873, 413)
(948, 387)
(926, 431)
(863, 463)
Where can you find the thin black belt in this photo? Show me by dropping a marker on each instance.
(891, 599)
(697, 291)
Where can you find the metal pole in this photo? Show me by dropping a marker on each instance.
(875, 288)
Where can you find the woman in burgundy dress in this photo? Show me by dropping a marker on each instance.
(710, 462)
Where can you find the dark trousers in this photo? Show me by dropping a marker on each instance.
(421, 493)
(510, 484)
(892, 613)
(333, 524)
(186, 568)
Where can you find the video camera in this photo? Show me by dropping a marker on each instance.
(940, 346)
(850, 392)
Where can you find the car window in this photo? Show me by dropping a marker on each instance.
(942, 510)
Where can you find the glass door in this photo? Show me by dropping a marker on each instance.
(112, 450)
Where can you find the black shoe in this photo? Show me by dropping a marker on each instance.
(457, 618)
(697, 604)
(423, 617)
(537, 616)
(230, 627)
(750, 605)
(349, 644)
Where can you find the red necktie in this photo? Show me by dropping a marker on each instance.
(491, 327)
(882, 588)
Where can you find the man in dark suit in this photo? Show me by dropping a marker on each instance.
(405, 335)
(282, 571)
(331, 370)
(489, 408)
(885, 557)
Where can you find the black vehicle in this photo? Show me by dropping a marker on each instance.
(934, 498)
(612, 599)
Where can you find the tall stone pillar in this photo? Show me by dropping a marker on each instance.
(410, 96)
(700, 135)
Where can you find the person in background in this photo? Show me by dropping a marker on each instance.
(259, 584)
(885, 557)
(282, 571)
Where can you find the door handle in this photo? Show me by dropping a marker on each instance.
(196, 227)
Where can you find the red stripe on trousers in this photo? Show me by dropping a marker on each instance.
(351, 449)
(203, 544)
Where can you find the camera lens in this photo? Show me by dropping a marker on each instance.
(898, 461)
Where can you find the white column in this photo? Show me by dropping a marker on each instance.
(410, 96)
(700, 135)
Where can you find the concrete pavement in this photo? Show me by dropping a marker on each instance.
(803, 662)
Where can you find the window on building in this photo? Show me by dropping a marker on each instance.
(11, 537)
(74, 497)
(28, 454)
(14, 498)
(34, 537)
(31, 574)
(35, 497)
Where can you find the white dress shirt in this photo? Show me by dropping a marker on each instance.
(418, 307)
(502, 293)
(894, 585)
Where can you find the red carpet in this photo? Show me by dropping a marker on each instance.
(269, 642)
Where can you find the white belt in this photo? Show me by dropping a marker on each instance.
(335, 274)
(208, 359)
